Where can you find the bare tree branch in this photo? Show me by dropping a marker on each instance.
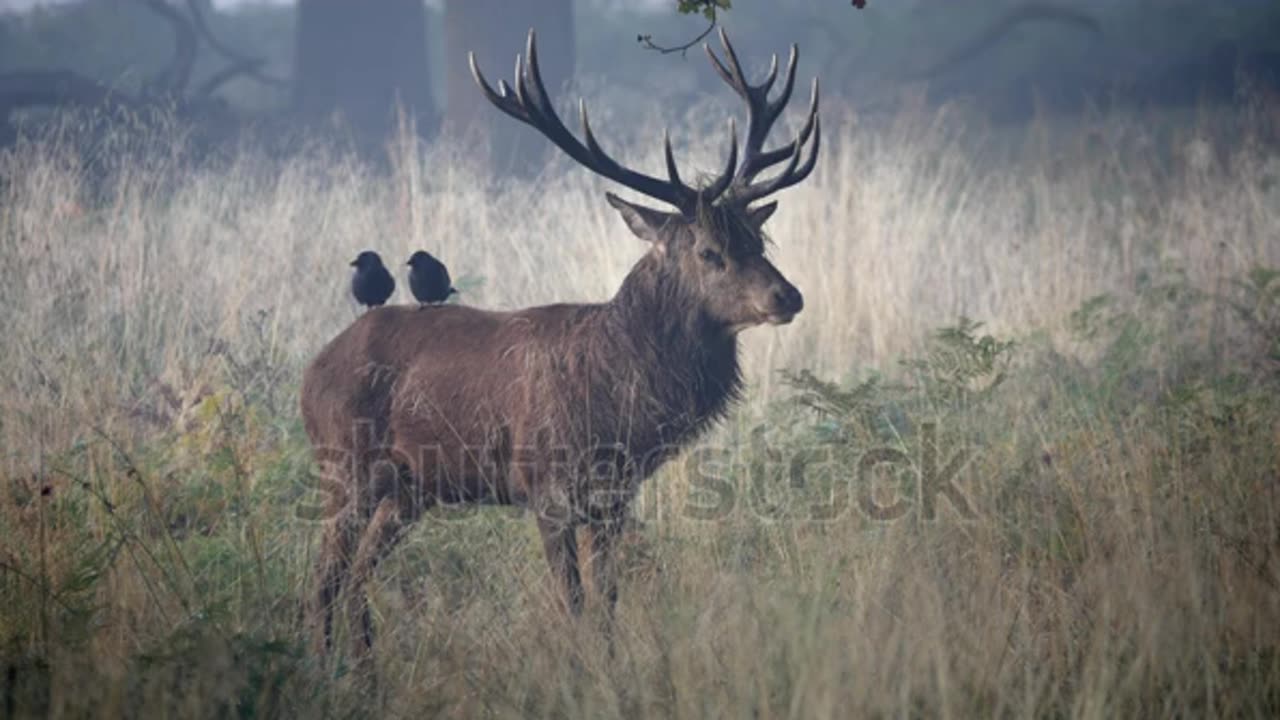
(39, 88)
(646, 41)
(247, 67)
(51, 88)
(177, 76)
(241, 64)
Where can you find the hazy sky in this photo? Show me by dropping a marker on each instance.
(637, 4)
(24, 4)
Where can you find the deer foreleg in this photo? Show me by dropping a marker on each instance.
(560, 541)
(602, 540)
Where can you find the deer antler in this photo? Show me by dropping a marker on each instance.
(761, 114)
(531, 105)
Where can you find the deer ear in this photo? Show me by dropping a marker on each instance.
(761, 214)
(644, 222)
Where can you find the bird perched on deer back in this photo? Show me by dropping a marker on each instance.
(372, 284)
(429, 279)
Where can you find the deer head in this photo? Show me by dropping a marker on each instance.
(711, 248)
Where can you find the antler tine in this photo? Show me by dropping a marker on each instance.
(762, 112)
(780, 104)
(592, 146)
(732, 75)
(533, 76)
(517, 75)
(773, 74)
(721, 70)
(721, 183)
(501, 99)
(793, 58)
(531, 104)
(521, 88)
(732, 72)
(542, 110)
(765, 160)
(672, 171)
(734, 66)
(789, 176)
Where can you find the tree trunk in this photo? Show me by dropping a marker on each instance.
(357, 60)
(495, 30)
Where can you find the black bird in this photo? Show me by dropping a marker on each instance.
(429, 278)
(372, 284)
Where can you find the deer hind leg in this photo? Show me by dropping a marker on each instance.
(394, 502)
(342, 528)
(380, 536)
(355, 491)
(332, 566)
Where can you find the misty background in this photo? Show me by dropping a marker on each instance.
(326, 64)
(1041, 235)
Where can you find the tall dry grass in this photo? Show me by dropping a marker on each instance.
(156, 534)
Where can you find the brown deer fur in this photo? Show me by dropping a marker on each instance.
(564, 409)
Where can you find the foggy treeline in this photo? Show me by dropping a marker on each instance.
(1011, 58)
(1017, 456)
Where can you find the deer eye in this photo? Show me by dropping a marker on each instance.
(712, 257)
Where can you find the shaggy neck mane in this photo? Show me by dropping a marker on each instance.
(683, 362)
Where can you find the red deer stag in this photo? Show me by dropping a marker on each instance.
(563, 409)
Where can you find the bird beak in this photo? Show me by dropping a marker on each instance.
(353, 263)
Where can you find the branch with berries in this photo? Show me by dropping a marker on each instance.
(708, 9)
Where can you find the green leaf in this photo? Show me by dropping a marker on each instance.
(707, 8)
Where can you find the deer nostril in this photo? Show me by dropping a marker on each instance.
(789, 299)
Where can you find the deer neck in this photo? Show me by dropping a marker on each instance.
(681, 358)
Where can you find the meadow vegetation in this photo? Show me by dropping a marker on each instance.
(1019, 455)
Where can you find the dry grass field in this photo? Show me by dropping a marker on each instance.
(1106, 546)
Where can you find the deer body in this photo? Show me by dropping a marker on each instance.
(457, 399)
(564, 409)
